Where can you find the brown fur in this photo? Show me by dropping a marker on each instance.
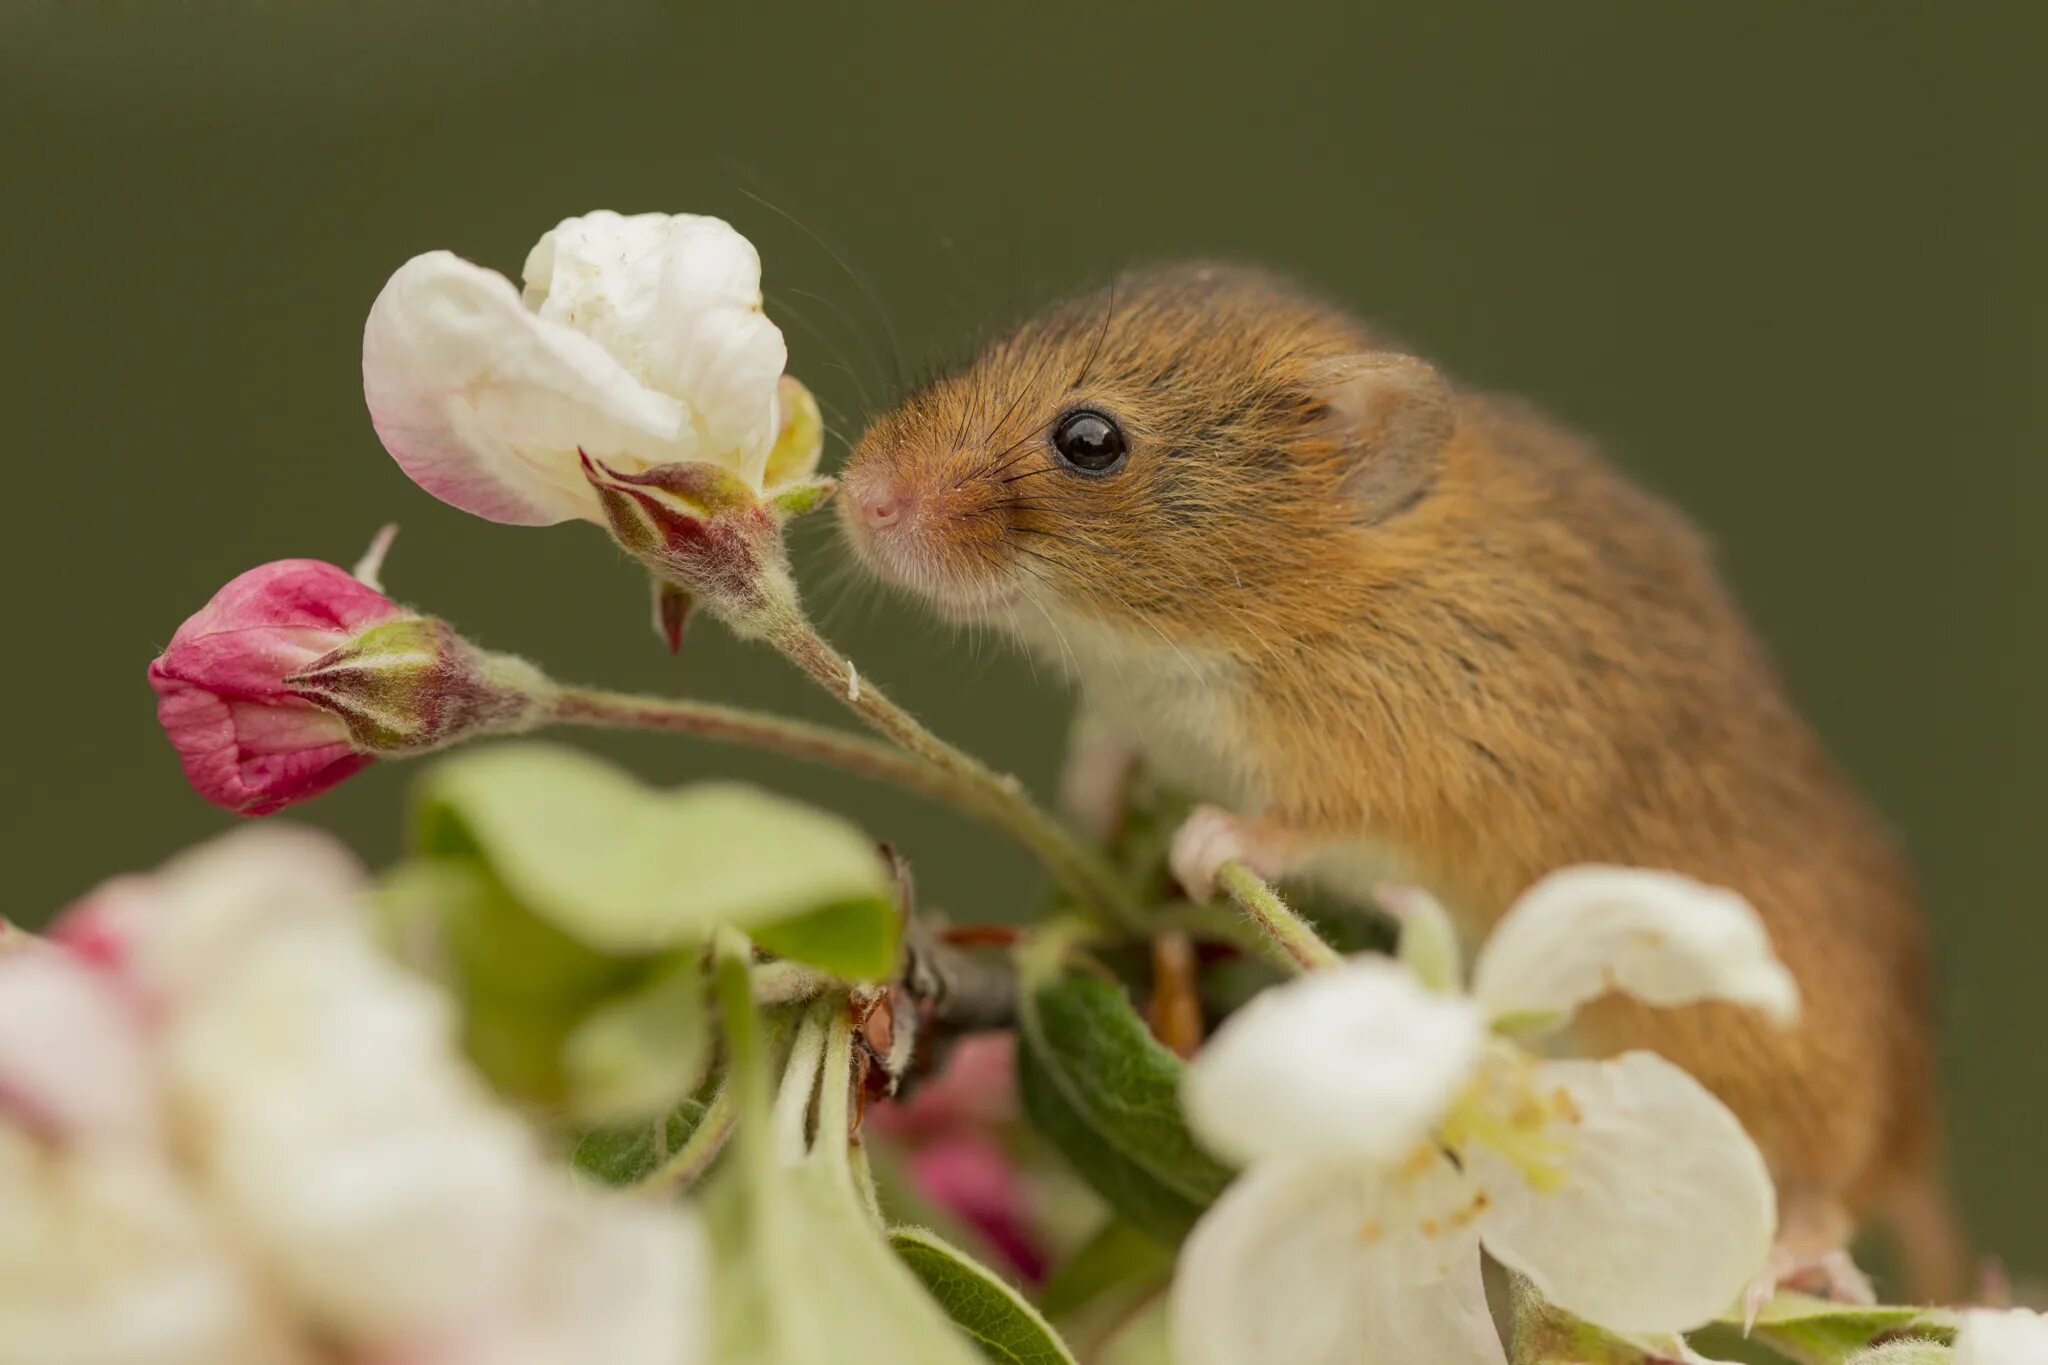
(1503, 661)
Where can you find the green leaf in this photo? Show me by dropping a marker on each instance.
(629, 1153)
(624, 869)
(1007, 1329)
(639, 1053)
(1097, 1084)
(523, 985)
(1816, 1330)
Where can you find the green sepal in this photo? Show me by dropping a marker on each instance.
(1818, 1331)
(805, 495)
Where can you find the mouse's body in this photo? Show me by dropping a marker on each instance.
(1405, 634)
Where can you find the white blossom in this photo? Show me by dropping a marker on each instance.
(232, 1131)
(1389, 1138)
(1661, 937)
(2014, 1336)
(70, 1061)
(1361, 1059)
(639, 340)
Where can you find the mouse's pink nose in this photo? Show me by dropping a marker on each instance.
(882, 503)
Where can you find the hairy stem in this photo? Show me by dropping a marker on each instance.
(1295, 943)
(931, 767)
(999, 797)
(817, 743)
(698, 1151)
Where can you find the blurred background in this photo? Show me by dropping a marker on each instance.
(1786, 262)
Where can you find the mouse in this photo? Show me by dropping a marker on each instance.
(1392, 630)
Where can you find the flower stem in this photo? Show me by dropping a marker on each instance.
(818, 743)
(698, 1151)
(1297, 946)
(997, 796)
(958, 780)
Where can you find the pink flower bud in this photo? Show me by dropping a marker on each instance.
(297, 674)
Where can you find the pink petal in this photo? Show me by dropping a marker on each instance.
(246, 742)
(292, 595)
(253, 759)
(483, 404)
(71, 1053)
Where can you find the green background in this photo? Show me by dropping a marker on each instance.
(1786, 260)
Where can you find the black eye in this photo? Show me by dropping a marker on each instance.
(1089, 442)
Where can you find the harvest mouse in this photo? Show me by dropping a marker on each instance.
(1396, 631)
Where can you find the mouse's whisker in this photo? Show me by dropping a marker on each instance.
(779, 304)
(1030, 473)
(860, 281)
(1108, 315)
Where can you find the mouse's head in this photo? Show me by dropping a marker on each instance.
(1171, 452)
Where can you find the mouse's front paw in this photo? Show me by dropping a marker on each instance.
(1210, 837)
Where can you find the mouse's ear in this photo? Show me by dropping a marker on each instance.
(1392, 415)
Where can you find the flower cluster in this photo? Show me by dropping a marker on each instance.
(1389, 1129)
(231, 1131)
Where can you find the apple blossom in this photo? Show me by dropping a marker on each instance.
(1390, 1130)
(234, 1132)
(634, 383)
(2014, 1336)
(296, 674)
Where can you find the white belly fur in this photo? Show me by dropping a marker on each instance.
(1173, 706)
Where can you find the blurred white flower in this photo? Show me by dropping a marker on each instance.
(638, 340)
(109, 1256)
(70, 1061)
(2013, 1336)
(1389, 1134)
(231, 1130)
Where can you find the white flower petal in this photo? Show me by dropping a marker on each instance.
(176, 931)
(1662, 937)
(1666, 1211)
(485, 405)
(71, 1057)
(346, 1139)
(618, 1281)
(2012, 1337)
(107, 1259)
(676, 298)
(1357, 1062)
(1330, 1265)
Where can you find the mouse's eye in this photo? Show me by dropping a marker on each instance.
(1089, 442)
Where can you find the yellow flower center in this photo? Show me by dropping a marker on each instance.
(1507, 1109)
